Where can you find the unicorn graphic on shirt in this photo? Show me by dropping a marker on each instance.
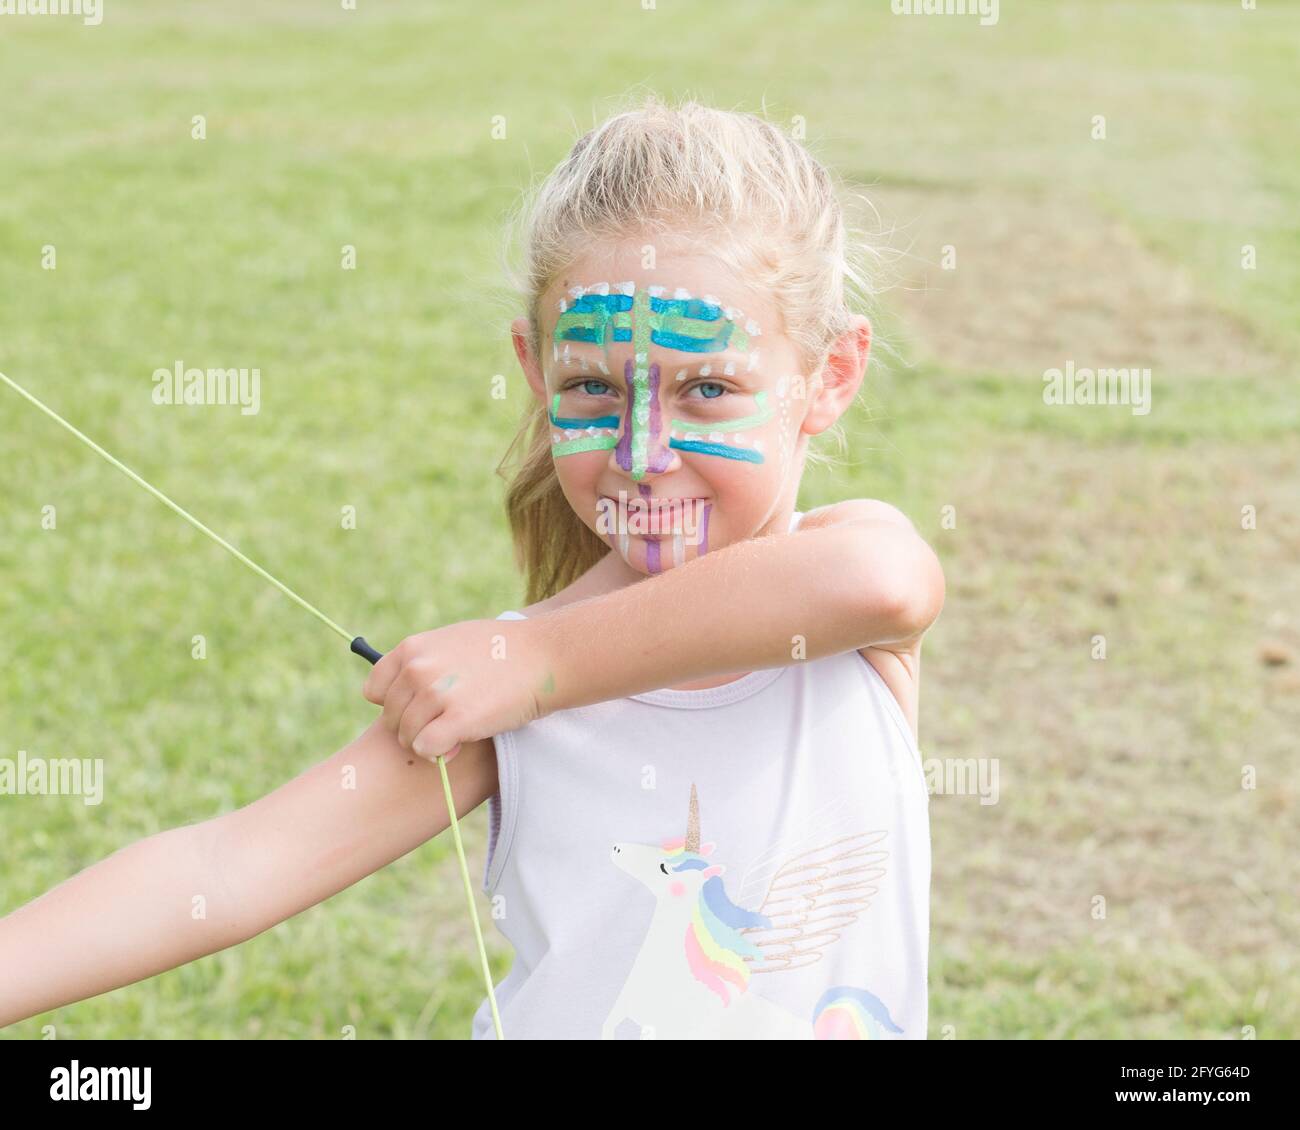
(691, 977)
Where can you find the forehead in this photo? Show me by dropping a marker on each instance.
(690, 303)
(672, 319)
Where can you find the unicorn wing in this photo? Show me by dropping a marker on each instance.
(813, 896)
(839, 815)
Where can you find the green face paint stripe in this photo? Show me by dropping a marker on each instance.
(573, 320)
(591, 315)
(763, 414)
(643, 325)
(591, 443)
(675, 327)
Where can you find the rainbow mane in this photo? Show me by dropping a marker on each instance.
(715, 948)
(846, 1013)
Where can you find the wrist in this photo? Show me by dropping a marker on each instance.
(549, 679)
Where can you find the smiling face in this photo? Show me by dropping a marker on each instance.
(679, 411)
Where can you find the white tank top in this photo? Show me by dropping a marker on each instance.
(748, 861)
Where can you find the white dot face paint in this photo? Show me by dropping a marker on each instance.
(690, 429)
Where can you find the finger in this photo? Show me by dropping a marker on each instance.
(413, 678)
(423, 708)
(382, 675)
(437, 739)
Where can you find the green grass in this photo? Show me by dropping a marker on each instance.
(1120, 778)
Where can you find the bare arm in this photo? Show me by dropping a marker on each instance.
(857, 575)
(135, 914)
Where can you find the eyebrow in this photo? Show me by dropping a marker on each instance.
(716, 363)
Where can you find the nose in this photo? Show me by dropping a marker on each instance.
(642, 447)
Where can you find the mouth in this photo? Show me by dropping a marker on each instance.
(659, 518)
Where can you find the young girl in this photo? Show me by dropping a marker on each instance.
(697, 741)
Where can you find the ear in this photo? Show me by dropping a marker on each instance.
(707, 848)
(528, 361)
(841, 377)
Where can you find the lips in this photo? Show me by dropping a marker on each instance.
(660, 517)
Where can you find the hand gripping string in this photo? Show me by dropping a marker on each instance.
(358, 645)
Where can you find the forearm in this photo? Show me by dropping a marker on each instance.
(149, 907)
(765, 602)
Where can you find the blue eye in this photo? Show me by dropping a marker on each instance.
(587, 390)
(714, 385)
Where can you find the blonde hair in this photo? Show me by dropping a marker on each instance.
(764, 206)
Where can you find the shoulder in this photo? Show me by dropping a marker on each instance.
(856, 510)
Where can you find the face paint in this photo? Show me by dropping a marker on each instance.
(601, 433)
(711, 437)
(783, 425)
(599, 316)
(651, 547)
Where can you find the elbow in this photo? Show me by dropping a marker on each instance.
(897, 594)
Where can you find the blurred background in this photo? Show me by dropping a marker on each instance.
(1019, 232)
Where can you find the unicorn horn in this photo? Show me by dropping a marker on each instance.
(693, 824)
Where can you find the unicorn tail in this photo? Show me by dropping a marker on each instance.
(846, 1013)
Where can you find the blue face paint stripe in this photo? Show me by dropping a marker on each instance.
(571, 424)
(603, 309)
(687, 308)
(686, 344)
(744, 454)
(663, 338)
(574, 424)
(600, 309)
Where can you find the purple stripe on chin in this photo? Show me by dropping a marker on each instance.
(651, 547)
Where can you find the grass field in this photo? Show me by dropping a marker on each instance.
(1120, 778)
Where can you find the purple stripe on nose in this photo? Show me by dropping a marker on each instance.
(659, 454)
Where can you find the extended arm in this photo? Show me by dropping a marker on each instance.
(136, 913)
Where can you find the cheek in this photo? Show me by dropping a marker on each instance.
(748, 458)
(579, 472)
(740, 483)
(677, 888)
